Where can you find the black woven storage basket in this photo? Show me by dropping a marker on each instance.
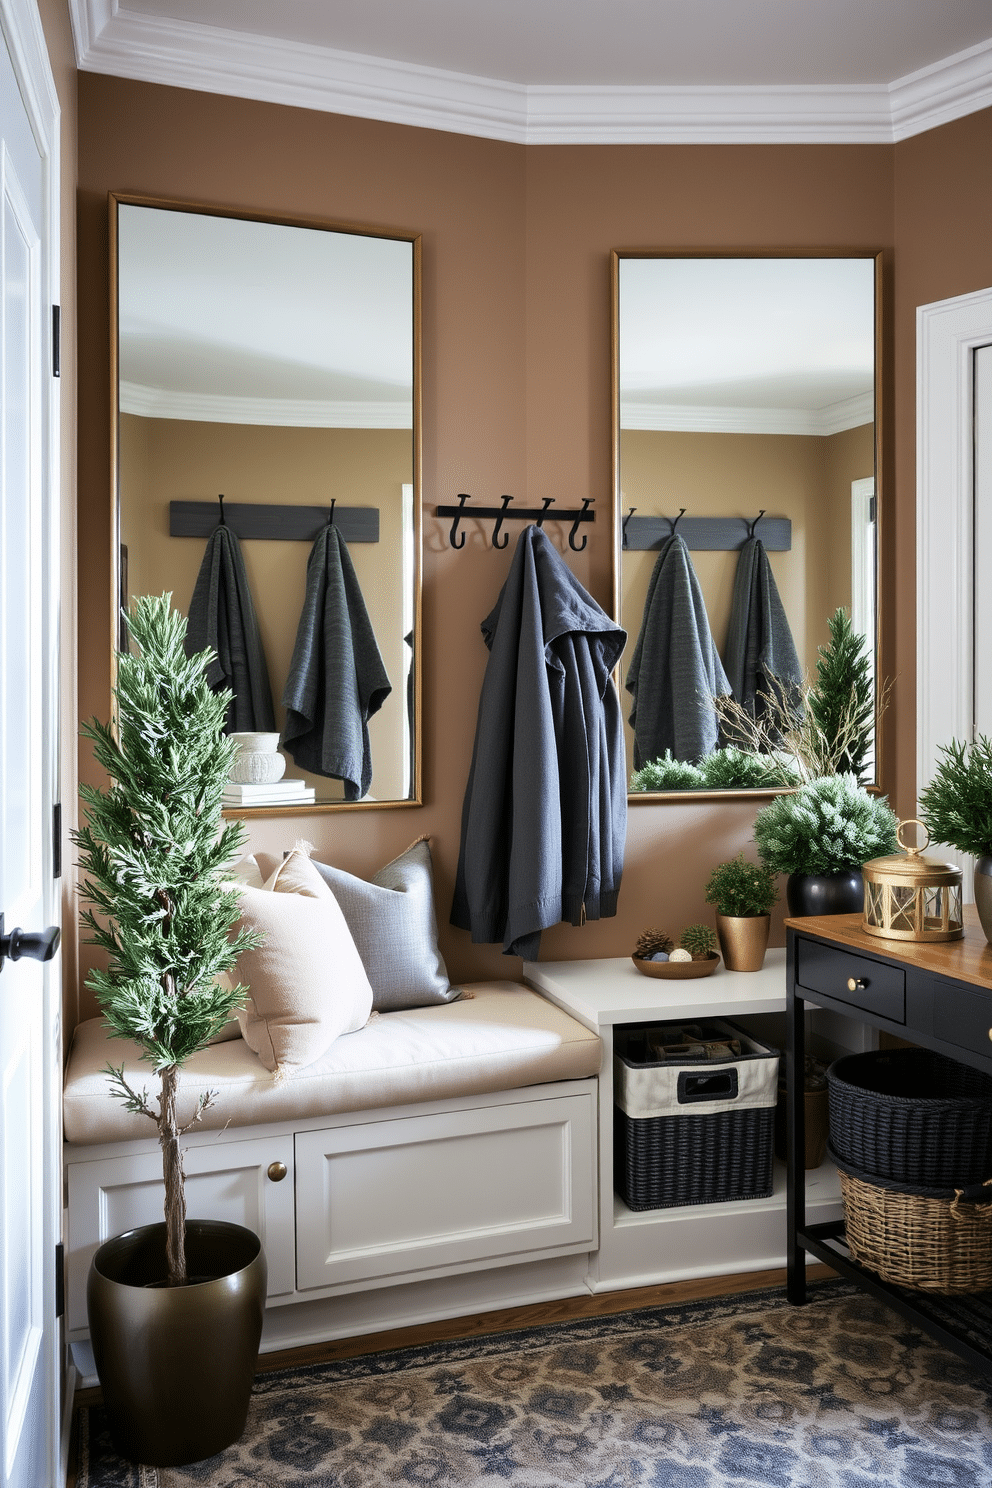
(688, 1155)
(670, 1160)
(911, 1116)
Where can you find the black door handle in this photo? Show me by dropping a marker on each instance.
(39, 945)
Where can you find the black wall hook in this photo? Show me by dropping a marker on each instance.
(544, 510)
(623, 530)
(456, 540)
(677, 520)
(577, 547)
(220, 502)
(330, 514)
(499, 522)
(751, 525)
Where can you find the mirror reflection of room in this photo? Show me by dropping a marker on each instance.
(273, 364)
(746, 390)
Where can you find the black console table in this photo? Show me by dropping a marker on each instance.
(937, 995)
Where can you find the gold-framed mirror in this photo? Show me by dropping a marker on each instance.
(275, 362)
(747, 397)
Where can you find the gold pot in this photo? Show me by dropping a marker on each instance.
(743, 940)
(177, 1363)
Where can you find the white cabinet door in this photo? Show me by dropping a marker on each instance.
(392, 1201)
(224, 1180)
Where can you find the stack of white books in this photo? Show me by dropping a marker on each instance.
(272, 793)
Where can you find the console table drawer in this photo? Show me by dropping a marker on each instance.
(962, 1016)
(873, 986)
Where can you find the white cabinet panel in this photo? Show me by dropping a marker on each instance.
(983, 540)
(385, 1201)
(227, 1180)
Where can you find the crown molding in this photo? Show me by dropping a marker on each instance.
(851, 413)
(113, 40)
(297, 413)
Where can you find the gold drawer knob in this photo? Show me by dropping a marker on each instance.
(859, 984)
(277, 1171)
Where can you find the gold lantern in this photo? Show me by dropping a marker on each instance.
(910, 897)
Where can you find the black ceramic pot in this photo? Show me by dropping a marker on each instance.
(825, 893)
(176, 1363)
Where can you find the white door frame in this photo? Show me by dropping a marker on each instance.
(25, 39)
(948, 332)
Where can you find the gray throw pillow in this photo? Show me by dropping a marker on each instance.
(393, 924)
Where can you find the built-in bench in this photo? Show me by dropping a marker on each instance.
(435, 1143)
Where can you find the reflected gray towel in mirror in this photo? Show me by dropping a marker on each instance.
(222, 616)
(545, 810)
(675, 670)
(760, 653)
(337, 679)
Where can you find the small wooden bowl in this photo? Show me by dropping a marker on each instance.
(677, 970)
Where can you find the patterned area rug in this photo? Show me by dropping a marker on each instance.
(740, 1392)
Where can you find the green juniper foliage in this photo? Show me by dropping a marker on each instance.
(741, 888)
(731, 768)
(841, 702)
(699, 941)
(956, 806)
(665, 774)
(153, 853)
(827, 826)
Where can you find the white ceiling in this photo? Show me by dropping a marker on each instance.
(571, 71)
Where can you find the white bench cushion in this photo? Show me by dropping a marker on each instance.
(500, 1037)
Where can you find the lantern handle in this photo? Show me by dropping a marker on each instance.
(912, 821)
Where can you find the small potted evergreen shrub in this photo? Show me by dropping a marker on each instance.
(175, 1308)
(743, 894)
(821, 835)
(956, 808)
(665, 774)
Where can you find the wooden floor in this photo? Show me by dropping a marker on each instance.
(602, 1304)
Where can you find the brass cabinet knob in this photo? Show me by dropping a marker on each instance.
(858, 984)
(277, 1171)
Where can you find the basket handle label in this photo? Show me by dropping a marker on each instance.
(709, 1086)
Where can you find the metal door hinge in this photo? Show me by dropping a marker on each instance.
(873, 508)
(56, 340)
(57, 840)
(60, 1280)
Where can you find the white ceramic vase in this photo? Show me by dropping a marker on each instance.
(258, 761)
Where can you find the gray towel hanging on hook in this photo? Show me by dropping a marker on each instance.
(675, 670)
(222, 616)
(337, 679)
(760, 655)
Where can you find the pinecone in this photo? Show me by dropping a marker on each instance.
(699, 941)
(650, 941)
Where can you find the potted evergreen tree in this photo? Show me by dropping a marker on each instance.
(821, 835)
(153, 852)
(956, 808)
(743, 893)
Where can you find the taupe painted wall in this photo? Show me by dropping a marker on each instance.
(517, 381)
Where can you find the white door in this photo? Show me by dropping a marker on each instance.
(983, 540)
(29, 999)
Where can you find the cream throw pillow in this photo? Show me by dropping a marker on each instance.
(307, 982)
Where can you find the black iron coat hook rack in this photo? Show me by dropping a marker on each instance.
(547, 512)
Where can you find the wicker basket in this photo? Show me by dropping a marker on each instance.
(691, 1133)
(911, 1116)
(923, 1241)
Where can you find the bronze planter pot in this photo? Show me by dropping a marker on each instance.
(743, 940)
(176, 1363)
(983, 895)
